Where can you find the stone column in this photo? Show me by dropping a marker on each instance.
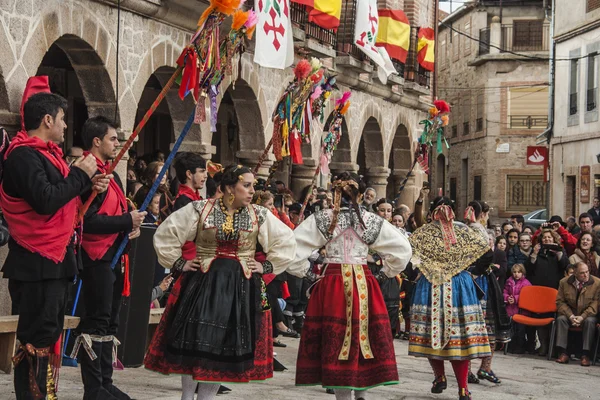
(302, 176)
(249, 158)
(377, 178)
(495, 35)
(339, 167)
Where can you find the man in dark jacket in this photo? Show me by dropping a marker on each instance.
(39, 197)
(105, 224)
(577, 306)
(595, 211)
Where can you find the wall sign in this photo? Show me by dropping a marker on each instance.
(584, 188)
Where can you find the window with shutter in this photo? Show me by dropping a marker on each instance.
(573, 86)
(528, 107)
(591, 94)
(479, 107)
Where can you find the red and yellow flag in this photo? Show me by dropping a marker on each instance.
(394, 33)
(325, 13)
(426, 48)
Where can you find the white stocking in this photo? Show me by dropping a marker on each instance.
(343, 394)
(188, 387)
(207, 391)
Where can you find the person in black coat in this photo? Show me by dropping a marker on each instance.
(39, 196)
(106, 223)
(546, 267)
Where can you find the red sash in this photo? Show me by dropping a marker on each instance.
(114, 204)
(30, 229)
(189, 248)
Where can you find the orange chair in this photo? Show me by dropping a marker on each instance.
(537, 300)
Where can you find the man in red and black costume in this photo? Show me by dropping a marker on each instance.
(190, 169)
(40, 197)
(105, 224)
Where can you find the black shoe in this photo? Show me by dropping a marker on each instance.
(289, 333)
(98, 393)
(223, 390)
(91, 374)
(329, 391)
(298, 323)
(488, 376)
(464, 394)
(106, 368)
(439, 385)
(472, 378)
(277, 343)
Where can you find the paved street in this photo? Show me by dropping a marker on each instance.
(523, 378)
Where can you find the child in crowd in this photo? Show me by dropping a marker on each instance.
(512, 290)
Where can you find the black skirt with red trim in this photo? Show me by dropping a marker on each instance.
(214, 328)
(323, 337)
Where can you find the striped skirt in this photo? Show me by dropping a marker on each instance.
(447, 321)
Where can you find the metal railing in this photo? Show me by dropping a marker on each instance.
(484, 41)
(528, 121)
(592, 99)
(525, 36)
(525, 193)
(299, 16)
(345, 33)
(573, 103)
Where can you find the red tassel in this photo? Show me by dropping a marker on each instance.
(126, 284)
(285, 290)
(189, 81)
(296, 147)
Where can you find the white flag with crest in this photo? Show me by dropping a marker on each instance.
(274, 38)
(365, 36)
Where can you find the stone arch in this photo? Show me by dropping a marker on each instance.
(342, 157)
(239, 136)
(370, 156)
(77, 73)
(400, 159)
(169, 118)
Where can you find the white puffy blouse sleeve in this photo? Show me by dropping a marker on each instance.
(278, 243)
(393, 248)
(180, 227)
(308, 239)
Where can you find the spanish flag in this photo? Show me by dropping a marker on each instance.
(394, 33)
(325, 13)
(425, 48)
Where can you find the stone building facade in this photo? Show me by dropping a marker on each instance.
(494, 73)
(74, 42)
(575, 144)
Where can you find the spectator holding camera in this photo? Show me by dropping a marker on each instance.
(546, 267)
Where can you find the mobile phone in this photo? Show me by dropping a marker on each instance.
(278, 202)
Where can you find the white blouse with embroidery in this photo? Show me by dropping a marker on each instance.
(350, 242)
(201, 222)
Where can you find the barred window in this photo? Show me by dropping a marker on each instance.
(525, 193)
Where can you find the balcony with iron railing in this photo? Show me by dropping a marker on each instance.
(518, 37)
(528, 121)
(346, 52)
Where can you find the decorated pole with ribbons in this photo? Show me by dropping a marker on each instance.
(156, 183)
(134, 135)
(433, 131)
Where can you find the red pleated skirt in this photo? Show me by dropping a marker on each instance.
(157, 358)
(324, 331)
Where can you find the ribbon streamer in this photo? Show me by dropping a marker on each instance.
(156, 183)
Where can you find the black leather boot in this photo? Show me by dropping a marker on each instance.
(91, 374)
(107, 372)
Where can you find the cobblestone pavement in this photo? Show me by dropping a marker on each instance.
(523, 377)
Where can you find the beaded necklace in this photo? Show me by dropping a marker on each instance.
(227, 226)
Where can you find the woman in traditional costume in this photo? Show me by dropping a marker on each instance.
(346, 342)
(216, 326)
(447, 322)
(492, 301)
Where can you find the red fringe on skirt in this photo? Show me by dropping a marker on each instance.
(156, 360)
